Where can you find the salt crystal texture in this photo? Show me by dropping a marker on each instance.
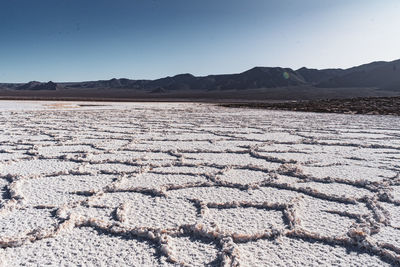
(167, 184)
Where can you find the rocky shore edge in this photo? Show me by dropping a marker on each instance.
(362, 105)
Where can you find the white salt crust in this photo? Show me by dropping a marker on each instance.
(179, 184)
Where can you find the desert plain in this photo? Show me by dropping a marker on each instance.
(191, 184)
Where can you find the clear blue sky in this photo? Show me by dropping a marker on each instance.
(76, 40)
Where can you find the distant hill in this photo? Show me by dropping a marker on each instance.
(258, 77)
(379, 75)
(382, 75)
(37, 86)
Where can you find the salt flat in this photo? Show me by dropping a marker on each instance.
(166, 184)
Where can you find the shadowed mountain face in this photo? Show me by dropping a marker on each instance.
(258, 77)
(383, 75)
(261, 77)
(37, 86)
(380, 75)
(315, 76)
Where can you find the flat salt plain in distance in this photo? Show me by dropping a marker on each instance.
(169, 184)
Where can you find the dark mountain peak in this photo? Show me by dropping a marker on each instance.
(264, 77)
(46, 86)
(185, 81)
(271, 72)
(378, 74)
(303, 69)
(258, 69)
(116, 83)
(314, 69)
(184, 75)
(373, 65)
(34, 85)
(264, 69)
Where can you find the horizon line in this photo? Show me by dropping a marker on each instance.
(186, 73)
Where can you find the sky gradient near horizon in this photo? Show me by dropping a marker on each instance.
(78, 40)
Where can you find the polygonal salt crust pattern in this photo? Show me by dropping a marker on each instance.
(54, 151)
(273, 195)
(195, 252)
(140, 184)
(226, 159)
(345, 190)
(297, 157)
(116, 168)
(284, 137)
(328, 223)
(152, 180)
(312, 203)
(61, 189)
(146, 211)
(84, 247)
(21, 222)
(295, 252)
(132, 156)
(243, 176)
(185, 146)
(352, 173)
(37, 167)
(102, 213)
(394, 213)
(388, 235)
(193, 170)
(113, 200)
(111, 143)
(245, 221)
(214, 194)
(160, 212)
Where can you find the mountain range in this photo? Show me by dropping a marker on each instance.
(378, 75)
